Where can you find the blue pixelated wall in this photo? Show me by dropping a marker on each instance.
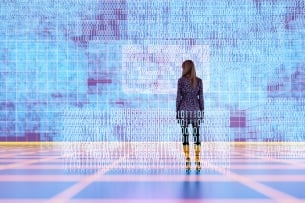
(107, 70)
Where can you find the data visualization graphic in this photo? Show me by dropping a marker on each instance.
(107, 70)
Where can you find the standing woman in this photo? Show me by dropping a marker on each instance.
(190, 110)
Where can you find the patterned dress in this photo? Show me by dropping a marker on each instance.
(189, 102)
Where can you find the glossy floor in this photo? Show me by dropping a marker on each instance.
(151, 172)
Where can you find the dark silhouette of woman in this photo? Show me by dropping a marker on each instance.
(190, 110)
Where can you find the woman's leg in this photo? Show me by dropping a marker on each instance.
(185, 143)
(197, 144)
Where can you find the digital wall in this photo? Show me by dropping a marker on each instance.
(107, 70)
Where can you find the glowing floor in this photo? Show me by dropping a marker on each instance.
(151, 172)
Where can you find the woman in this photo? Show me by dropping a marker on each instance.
(190, 109)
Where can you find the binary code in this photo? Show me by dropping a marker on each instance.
(88, 158)
(107, 70)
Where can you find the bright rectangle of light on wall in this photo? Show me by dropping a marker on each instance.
(154, 69)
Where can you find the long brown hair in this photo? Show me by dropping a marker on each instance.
(189, 71)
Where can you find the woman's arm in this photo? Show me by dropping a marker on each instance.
(201, 99)
(178, 99)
